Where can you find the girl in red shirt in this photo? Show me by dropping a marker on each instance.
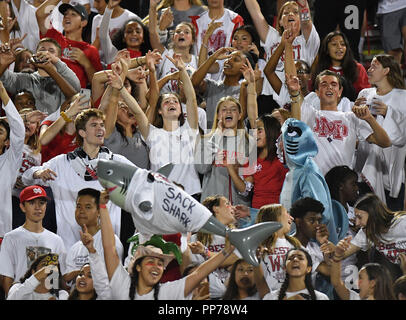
(335, 54)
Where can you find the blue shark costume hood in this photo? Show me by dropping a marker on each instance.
(304, 178)
(298, 143)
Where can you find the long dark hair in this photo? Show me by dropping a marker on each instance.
(134, 282)
(272, 129)
(380, 217)
(255, 38)
(383, 281)
(348, 64)
(118, 38)
(231, 292)
(74, 295)
(157, 118)
(308, 278)
(33, 268)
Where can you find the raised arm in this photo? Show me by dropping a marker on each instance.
(106, 46)
(60, 72)
(201, 272)
(43, 12)
(203, 48)
(199, 75)
(296, 96)
(259, 21)
(117, 83)
(77, 105)
(153, 25)
(109, 106)
(111, 256)
(306, 23)
(189, 91)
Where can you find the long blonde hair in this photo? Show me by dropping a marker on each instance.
(273, 212)
(33, 141)
(242, 135)
(278, 26)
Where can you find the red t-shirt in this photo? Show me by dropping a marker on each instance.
(90, 51)
(268, 181)
(61, 144)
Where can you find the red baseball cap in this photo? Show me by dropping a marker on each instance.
(32, 192)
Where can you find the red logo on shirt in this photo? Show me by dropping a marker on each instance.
(330, 129)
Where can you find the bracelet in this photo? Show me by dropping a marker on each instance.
(296, 95)
(121, 88)
(65, 117)
(102, 206)
(335, 259)
(225, 254)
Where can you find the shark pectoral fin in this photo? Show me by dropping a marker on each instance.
(166, 170)
(248, 239)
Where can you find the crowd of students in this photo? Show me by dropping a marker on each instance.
(189, 83)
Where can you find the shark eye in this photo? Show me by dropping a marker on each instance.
(294, 131)
(109, 172)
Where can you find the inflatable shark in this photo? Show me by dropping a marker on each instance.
(160, 207)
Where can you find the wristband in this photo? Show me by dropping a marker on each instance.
(102, 206)
(296, 95)
(65, 117)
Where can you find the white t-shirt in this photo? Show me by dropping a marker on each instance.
(176, 147)
(78, 254)
(273, 264)
(166, 67)
(10, 162)
(336, 134)
(313, 249)
(173, 210)
(201, 114)
(345, 104)
(25, 291)
(65, 189)
(21, 247)
(28, 24)
(29, 160)
(120, 287)
(384, 167)
(115, 23)
(391, 244)
(220, 275)
(302, 50)
(222, 36)
(273, 295)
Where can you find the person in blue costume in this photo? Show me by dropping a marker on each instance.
(304, 178)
